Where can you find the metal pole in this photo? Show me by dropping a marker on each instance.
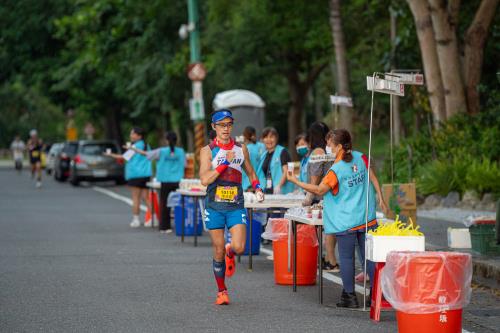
(368, 187)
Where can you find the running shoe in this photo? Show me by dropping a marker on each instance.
(230, 262)
(135, 223)
(38, 184)
(222, 298)
(148, 223)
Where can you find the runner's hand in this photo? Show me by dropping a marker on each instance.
(260, 195)
(230, 156)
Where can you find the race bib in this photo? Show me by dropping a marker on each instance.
(35, 153)
(226, 194)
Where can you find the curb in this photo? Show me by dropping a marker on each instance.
(486, 273)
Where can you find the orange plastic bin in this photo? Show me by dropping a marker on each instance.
(307, 253)
(428, 290)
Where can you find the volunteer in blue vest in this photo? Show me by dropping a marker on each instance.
(302, 148)
(273, 165)
(137, 174)
(221, 166)
(344, 207)
(169, 172)
(255, 149)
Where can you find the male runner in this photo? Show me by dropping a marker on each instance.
(35, 154)
(221, 164)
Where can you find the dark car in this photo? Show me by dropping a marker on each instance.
(63, 159)
(90, 164)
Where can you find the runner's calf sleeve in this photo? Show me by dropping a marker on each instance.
(220, 274)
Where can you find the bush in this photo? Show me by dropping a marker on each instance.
(463, 154)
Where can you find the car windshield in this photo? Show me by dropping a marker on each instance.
(98, 148)
(70, 148)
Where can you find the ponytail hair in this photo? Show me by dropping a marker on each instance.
(343, 137)
(250, 134)
(172, 140)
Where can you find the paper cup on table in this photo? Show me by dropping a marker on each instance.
(291, 167)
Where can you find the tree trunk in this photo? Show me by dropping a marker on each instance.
(447, 50)
(475, 39)
(298, 94)
(341, 62)
(113, 125)
(425, 35)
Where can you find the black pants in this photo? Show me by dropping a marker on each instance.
(166, 188)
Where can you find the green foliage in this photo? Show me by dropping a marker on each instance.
(443, 176)
(483, 176)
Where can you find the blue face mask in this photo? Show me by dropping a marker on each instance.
(302, 151)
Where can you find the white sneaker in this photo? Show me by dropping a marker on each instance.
(156, 224)
(38, 184)
(168, 231)
(147, 224)
(135, 223)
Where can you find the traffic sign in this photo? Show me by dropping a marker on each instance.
(341, 100)
(385, 86)
(196, 109)
(197, 72)
(416, 79)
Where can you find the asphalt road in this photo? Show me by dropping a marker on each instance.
(69, 262)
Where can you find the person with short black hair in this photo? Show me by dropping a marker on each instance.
(273, 167)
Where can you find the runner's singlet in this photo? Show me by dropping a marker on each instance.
(226, 192)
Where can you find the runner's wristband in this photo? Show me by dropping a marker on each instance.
(222, 167)
(256, 185)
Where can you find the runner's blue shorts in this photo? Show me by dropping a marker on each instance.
(216, 219)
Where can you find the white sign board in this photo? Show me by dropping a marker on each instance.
(407, 78)
(385, 86)
(341, 100)
(196, 109)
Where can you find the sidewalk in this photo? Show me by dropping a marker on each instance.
(435, 223)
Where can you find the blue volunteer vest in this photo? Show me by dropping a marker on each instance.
(347, 209)
(304, 177)
(276, 171)
(255, 150)
(170, 167)
(138, 166)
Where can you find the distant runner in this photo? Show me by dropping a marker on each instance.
(35, 153)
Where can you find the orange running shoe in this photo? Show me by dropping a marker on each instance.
(222, 298)
(230, 262)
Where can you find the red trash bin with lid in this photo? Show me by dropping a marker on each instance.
(428, 289)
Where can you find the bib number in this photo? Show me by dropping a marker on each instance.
(226, 194)
(35, 153)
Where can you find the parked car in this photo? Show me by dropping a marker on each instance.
(63, 159)
(54, 150)
(90, 164)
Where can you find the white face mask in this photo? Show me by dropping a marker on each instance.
(328, 150)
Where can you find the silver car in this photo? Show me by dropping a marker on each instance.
(55, 149)
(90, 164)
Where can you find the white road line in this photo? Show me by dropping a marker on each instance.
(116, 196)
(329, 276)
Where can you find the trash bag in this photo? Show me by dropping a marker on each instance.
(277, 229)
(427, 282)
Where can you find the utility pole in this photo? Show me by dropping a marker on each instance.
(196, 73)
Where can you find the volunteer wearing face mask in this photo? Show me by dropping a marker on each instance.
(256, 149)
(303, 151)
(344, 207)
(273, 166)
(317, 168)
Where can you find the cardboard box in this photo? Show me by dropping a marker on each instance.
(403, 198)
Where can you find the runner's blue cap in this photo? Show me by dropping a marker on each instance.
(221, 114)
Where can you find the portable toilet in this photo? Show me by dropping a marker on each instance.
(247, 108)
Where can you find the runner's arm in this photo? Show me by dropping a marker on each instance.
(207, 175)
(249, 170)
